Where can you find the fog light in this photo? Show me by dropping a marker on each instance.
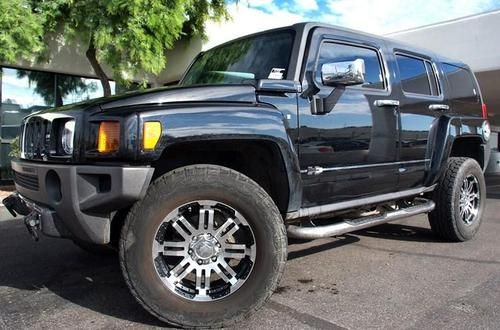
(67, 136)
(108, 139)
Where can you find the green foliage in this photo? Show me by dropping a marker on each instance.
(21, 31)
(15, 149)
(130, 36)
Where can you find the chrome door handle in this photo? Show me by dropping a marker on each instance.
(439, 107)
(386, 103)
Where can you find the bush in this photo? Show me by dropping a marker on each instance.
(15, 150)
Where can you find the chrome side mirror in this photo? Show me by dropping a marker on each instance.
(345, 73)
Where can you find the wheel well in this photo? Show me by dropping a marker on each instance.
(259, 160)
(468, 147)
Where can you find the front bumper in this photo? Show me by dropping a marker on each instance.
(78, 201)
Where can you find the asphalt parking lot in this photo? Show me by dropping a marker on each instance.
(392, 276)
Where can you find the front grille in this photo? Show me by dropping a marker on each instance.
(26, 180)
(36, 138)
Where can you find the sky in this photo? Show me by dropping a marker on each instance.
(374, 16)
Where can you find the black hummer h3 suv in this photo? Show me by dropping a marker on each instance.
(307, 131)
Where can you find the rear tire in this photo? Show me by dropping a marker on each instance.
(154, 243)
(460, 198)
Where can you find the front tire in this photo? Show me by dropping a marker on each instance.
(205, 248)
(460, 199)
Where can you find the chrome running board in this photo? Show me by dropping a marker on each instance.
(347, 226)
(329, 208)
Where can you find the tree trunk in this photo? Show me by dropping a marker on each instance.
(58, 98)
(91, 56)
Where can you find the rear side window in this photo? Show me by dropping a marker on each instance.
(462, 85)
(417, 76)
(336, 52)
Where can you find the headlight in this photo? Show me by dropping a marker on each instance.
(67, 136)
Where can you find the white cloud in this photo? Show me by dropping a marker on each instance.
(258, 3)
(10, 77)
(379, 17)
(306, 5)
(247, 20)
(374, 16)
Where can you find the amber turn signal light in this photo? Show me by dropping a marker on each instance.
(108, 139)
(151, 134)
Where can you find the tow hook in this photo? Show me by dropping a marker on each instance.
(32, 222)
(17, 205)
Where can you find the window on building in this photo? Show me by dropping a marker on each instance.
(336, 52)
(26, 91)
(34, 90)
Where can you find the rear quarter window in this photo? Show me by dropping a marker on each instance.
(462, 87)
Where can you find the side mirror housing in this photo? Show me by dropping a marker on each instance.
(346, 73)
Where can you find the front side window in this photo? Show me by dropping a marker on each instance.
(336, 52)
(265, 56)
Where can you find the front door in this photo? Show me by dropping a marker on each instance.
(349, 151)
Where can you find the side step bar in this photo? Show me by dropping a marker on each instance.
(329, 208)
(347, 226)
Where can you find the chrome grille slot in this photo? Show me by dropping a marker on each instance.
(36, 138)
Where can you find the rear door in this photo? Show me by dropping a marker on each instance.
(421, 104)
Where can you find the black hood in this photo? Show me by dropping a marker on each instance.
(209, 93)
(214, 93)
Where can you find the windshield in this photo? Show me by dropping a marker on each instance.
(265, 56)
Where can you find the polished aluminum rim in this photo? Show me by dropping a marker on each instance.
(469, 199)
(204, 250)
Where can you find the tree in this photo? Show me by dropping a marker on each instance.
(21, 31)
(129, 36)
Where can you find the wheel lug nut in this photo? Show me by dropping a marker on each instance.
(218, 244)
(214, 259)
(200, 262)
